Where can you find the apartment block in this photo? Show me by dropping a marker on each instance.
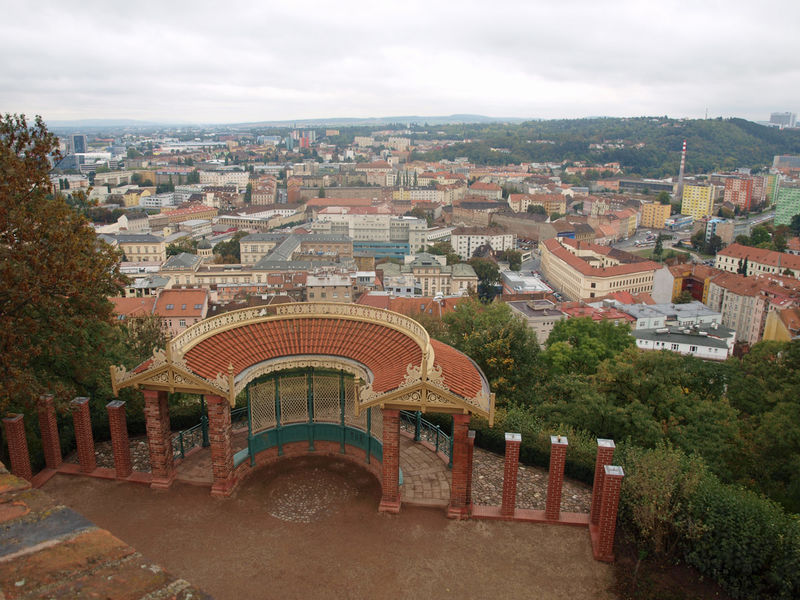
(654, 214)
(698, 201)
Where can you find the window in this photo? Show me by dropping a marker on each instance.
(198, 306)
(692, 348)
(170, 306)
(183, 307)
(182, 322)
(675, 347)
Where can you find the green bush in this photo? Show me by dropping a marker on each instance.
(749, 544)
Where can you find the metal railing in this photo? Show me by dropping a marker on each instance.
(425, 431)
(197, 435)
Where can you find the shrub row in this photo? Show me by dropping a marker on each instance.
(676, 507)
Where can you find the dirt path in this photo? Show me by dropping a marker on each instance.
(309, 528)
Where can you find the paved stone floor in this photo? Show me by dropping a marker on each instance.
(426, 478)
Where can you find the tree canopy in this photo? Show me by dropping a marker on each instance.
(55, 277)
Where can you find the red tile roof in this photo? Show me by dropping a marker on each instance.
(133, 307)
(181, 303)
(460, 374)
(560, 252)
(385, 351)
(762, 256)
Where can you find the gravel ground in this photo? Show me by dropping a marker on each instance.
(487, 487)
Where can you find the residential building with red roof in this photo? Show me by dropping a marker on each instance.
(759, 261)
(180, 308)
(782, 325)
(580, 270)
(132, 308)
(487, 190)
(606, 313)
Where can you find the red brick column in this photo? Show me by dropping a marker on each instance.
(555, 479)
(82, 420)
(48, 425)
(390, 495)
(605, 455)
(219, 434)
(612, 482)
(460, 473)
(159, 438)
(118, 425)
(14, 429)
(470, 454)
(510, 470)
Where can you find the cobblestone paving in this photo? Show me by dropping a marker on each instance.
(487, 485)
(310, 495)
(104, 454)
(426, 479)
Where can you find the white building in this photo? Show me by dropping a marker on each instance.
(710, 342)
(466, 240)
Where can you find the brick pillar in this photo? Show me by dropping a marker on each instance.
(612, 482)
(390, 494)
(14, 429)
(460, 472)
(219, 434)
(470, 453)
(510, 470)
(558, 456)
(605, 455)
(120, 444)
(48, 425)
(159, 438)
(82, 420)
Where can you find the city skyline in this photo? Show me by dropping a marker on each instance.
(186, 63)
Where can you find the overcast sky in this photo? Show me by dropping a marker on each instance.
(231, 61)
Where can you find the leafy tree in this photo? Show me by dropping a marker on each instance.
(580, 345)
(488, 276)
(248, 194)
(133, 153)
(663, 198)
(742, 269)
(658, 250)
(537, 209)
(440, 248)
(55, 318)
(182, 245)
(513, 257)
(503, 345)
(759, 236)
(713, 245)
(794, 225)
(685, 297)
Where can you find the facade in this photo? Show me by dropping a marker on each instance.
(788, 203)
(654, 214)
(709, 342)
(181, 308)
(491, 191)
(466, 240)
(432, 276)
(372, 226)
(759, 261)
(580, 270)
(698, 201)
(139, 247)
(739, 192)
(540, 315)
(654, 316)
(329, 288)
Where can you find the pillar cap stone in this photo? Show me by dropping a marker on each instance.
(12, 417)
(79, 400)
(471, 433)
(614, 470)
(115, 404)
(513, 437)
(559, 440)
(602, 443)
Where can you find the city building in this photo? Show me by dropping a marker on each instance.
(138, 247)
(540, 315)
(739, 192)
(180, 308)
(654, 214)
(654, 316)
(709, 342)
(465, 240)
(580, 270)
(516, 283)
(432, 275)
(788, 202)
(698, 201)
(757, 261)
(783, 119)
(329, 288)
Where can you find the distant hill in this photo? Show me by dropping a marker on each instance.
(713, 144)
(374, 121)
(102, 124)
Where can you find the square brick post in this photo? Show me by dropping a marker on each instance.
(159, 438)
(612, 482)
(470, 454)
(82, 421)
(219, 434)
(48, 425)
(510, 471)
(460, 474)
(14, 429)
(555, 479)
(120, 444)
(390, 484)
(605, 455)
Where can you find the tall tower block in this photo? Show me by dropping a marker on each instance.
(680, 173)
